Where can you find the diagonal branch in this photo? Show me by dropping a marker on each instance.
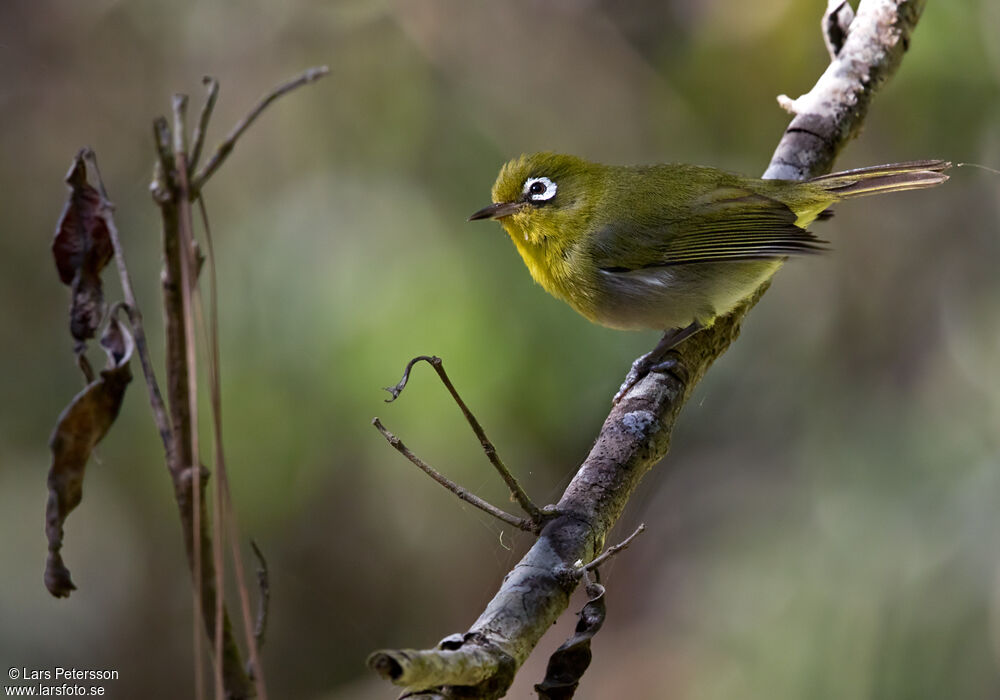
(637, 432)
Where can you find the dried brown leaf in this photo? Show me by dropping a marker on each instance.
(82, 248)
(569, 662)
(81, 426)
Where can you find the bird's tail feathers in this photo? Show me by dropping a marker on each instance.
(884, 178)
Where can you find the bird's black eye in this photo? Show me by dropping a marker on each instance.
(539, 189)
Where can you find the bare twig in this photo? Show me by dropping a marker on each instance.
(462, 493)
(161, 137)
(226, 147)
(256, 668)
(190, 356)
(131, 307)
(220, 522)
(264, 589)
(613, 549)
(225, 515)
(200, 130)
(516, 491)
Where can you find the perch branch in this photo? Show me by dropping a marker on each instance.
(516, 491)
(636, 434)
(462, 493)
(467, 666)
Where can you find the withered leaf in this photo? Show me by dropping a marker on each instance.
(82, 248)
(81, 426)
(569, 662)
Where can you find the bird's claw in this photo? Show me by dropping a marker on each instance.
(643, 366)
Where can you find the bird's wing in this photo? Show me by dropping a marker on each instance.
(726, 224)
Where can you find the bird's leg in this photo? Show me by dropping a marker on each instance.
(656, 360)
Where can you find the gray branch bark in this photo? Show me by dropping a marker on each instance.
(636, 435)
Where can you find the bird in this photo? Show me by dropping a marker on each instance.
(669, 247)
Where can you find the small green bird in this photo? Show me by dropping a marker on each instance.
(669, 247)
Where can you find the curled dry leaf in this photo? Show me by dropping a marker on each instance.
(81, 426)
(569, 662)
(81, 248)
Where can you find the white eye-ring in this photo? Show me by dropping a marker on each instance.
(539, 189)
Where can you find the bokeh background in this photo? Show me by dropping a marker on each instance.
(826, 524)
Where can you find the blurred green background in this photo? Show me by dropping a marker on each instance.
(826, 524)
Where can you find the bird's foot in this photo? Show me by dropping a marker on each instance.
(658, 360)
(646, 364)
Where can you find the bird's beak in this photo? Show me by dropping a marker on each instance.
(497, 211)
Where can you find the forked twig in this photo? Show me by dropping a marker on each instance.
(226, 147)
(472, 499)
(516, 491)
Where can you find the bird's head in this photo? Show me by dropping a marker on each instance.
(544, 199)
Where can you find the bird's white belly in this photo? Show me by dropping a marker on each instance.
(675, 296)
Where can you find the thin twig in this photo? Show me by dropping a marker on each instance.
(613, 550)
(187, 316)
(223, 502)
(202, 127)
(161, 137)
(264, 602)
(219, 523)
(160, 415)
(520, 523)
(226, 147)
(516, 491)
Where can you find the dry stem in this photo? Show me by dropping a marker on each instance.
(173, 190)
